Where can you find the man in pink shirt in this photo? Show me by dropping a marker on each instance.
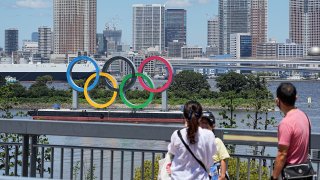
(293, 131)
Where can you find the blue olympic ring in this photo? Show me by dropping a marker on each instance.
(69, 76)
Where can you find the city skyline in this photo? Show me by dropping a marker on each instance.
(19, 12)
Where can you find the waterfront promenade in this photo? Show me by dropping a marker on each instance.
(84, 150)
(69, 161)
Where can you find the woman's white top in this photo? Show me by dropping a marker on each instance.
(184, 166)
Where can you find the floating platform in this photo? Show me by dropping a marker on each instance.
(143, 116)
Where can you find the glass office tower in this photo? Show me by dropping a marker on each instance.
(176, 26)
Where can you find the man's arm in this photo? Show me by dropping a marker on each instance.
(280, 161)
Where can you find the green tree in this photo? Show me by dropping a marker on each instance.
(17, 90)
(231, 81)
(44, 79)
(261, 99)
(79, 82)
(6, 102)
(188, 83)
(38, 89)
(229, 105)
(2, 81)
(261, 104)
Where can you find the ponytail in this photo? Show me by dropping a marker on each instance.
(192, 112)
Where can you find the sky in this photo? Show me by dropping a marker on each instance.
(28, 15)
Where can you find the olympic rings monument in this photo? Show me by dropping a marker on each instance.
(127, 82)
(123, 86)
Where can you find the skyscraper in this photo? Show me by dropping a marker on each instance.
(242, 16)
(233, 18)
(213, 32)
(148, 26)
(35, 37)
(45, 41)
(11, 41)
(304, 22)
(175, 26)
(74, 26)
(113, 38)
(101, 44)
(258, 23)
(213, 37)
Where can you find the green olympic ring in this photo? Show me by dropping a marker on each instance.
(124, 98)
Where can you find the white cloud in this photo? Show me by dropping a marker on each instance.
(178, 3)
(34, 4)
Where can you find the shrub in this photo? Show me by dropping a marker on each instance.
(147, 169)
(243, 169)
(232, 169)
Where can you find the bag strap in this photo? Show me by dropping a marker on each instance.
(309, 144)
(179, 134)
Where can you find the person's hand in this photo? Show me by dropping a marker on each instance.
(168, 168)
(222, 177)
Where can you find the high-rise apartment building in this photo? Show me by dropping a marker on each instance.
(175, 26)
(75, 24)
(304, 22)
(45, 41)
(148, 26)
(213, 32)
(11, 41)
(233, 18)
(213, 36)
(242, 16)
(258, 20)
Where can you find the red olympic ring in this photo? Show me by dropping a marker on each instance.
(170, 71)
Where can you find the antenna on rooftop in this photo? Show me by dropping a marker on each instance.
(107, 25)
(115, 22)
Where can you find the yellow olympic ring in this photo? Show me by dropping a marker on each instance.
(90, 101)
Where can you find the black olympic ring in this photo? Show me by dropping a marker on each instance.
(133, 72)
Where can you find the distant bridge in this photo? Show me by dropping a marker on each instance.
(312, 66)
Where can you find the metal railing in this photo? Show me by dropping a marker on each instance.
(29, 158)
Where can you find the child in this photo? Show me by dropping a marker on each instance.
(208, 122)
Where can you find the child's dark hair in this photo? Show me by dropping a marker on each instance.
(209, 117)
(192, 111)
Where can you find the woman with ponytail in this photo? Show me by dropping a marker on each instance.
(193, 150)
